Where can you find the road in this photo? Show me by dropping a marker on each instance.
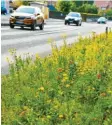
(25, 40)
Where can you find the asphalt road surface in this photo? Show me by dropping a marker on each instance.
(27, 41)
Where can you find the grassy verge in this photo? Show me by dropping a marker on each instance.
(71, 87)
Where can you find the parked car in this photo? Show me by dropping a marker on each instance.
(27, 16)
(3, 10)
(73, 18)
(102, 20)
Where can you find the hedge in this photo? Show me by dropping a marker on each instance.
(60, 15)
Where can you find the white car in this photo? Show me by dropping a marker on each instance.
(73, 18)
(102, 20)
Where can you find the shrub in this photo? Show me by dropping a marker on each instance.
(72, 86)
(63, 6)
(109, 12)
(89, 15)
(87, 8)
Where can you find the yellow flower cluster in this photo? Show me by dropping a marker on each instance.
(65, 77)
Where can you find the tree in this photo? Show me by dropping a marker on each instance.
(81, 2)
(73, 6)
(26, 2)
(91, 9)
(81, 8)
(63, 6)
(78, 3)
(87, 8)
(109, 12)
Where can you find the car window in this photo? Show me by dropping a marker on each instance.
(74, 14)
(26, 10)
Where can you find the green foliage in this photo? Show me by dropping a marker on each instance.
(81, 2)
(89, 15)
(91, 9)
(109, 12)
(63, 6)
(73, 86)
(25, 2)
(73, 6)
(87, 8)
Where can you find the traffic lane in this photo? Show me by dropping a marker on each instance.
(48, 28)
(34, 39)
(42, 50)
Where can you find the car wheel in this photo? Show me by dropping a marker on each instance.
(22, 27)
(65, 23)
(11, 26)
(77, 23)
(80, 23)
(68, 23)
(41, 26)
(33, 27)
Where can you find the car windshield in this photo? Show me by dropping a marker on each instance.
(73, 14)
(102, 18)
(25, 10)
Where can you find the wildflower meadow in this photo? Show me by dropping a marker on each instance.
(72, 86)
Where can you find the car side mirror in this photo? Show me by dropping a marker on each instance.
(38, 14)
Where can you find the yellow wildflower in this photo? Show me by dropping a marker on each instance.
(48, 116)
(7, 59)
(109, 91)
(67, 85)
(65, 75)
(36, 95)
(60, 116)
(63, 80)
(43, 119)
(37, 56)
(41, 88)
(48, 101)
(25, 107)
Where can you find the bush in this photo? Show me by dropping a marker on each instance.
(109, 14)
(89, 15)
(87, 8)
(63, 6)
(73, 86)
(67, 6)
(73, 6)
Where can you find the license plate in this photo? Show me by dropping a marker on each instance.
(71, 21)
(19, 21)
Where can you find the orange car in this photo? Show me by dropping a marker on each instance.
(27, 16)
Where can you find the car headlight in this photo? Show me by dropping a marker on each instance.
(32, 17)
(76, 19)
(66, 18)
